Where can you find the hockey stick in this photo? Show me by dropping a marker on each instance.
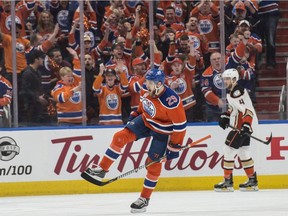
(90, 179)
(247, 134)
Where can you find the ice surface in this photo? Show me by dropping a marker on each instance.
(194, 203)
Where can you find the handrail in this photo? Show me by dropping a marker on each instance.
(282, 100)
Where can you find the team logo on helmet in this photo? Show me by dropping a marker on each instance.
(8, 148)
(149, 107)
(205, 26)
(180, 84)
(112, 101)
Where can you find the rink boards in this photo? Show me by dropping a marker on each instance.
(49, 161)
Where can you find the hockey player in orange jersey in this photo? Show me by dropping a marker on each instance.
(160, 115)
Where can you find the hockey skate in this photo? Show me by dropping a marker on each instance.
(250, 185)
(225, 186)
(139, 205)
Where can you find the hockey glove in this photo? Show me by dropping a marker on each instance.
(245, 129)
(224, 120)
(133, 115)
(172, 151)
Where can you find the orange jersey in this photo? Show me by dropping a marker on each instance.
(110, 100)
(22, 12)
(179, 6)
(208, 27)
(182, 85)
(69, 103)
(22, 46)
(164, 114)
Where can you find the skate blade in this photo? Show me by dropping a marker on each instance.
(138, 210)
(254, 188)
(229, 189)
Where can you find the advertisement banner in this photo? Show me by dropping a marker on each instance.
(62, 154)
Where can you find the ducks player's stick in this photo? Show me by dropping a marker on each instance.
(247, 134)
(102, 183)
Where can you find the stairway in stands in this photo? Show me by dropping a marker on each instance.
(270, 82)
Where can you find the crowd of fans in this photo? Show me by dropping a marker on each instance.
(186, 47)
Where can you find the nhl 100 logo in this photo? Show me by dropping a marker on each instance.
(8, 150)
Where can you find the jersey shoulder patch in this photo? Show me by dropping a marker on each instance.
(169, 98)
(237, 91)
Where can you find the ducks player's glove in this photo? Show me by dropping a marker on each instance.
(224, 120)
(172, 151)
(245, 129)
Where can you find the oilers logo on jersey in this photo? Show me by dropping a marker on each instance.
(112, 101)
(205, 26)
(76, 98)
(62, 17)
(218, 81)
(180, 86)
(149, 107)
(195, 40)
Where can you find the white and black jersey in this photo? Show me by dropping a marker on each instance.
(241, 108)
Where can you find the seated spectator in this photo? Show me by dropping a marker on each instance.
(109, 94)
(32, 101)
(67, 93)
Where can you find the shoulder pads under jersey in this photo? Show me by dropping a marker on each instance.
(237, 91)
(169, 98)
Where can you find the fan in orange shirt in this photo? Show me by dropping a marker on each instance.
(109, 94)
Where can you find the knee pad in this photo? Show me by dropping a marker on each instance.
(154, 169)
(244, 153)
(122, 137)
(229, 153)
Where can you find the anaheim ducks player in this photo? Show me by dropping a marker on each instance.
(241, 115)
(161, 115)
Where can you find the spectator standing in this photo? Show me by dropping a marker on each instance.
(67, 93)
(109, 94)
(211, 87)
(32, 101)
(269, 16)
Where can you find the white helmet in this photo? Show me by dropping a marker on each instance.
(231, 73)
